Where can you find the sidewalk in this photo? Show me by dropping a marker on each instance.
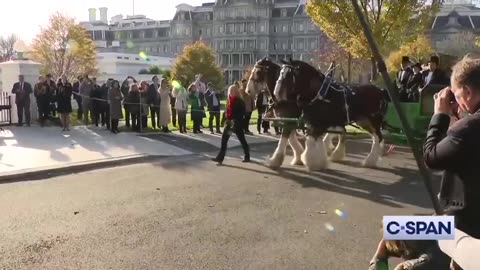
(34, 148)
(26, 150)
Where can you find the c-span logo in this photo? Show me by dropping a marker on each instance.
(418, 228)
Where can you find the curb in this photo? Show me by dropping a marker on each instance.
(49, 172)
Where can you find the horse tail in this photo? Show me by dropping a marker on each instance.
(384, 103)
(384, 108)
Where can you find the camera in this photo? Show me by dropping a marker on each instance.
(451, 96)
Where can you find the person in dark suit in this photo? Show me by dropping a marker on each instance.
(414, 83)
(105, 107)
(213, 105)
(97, 104)
(174, 111)
(22, 91)
(125, 89)
(64, 101)
(261, 103)
(42, 94)
(455, 148)
(235, 114)
(77, 97)
(434, 75)
(53, 98)
(153, 100)
(403, 76)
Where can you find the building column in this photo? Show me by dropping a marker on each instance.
(103, 35)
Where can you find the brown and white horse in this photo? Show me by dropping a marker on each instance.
(263, 77)
(326, 104)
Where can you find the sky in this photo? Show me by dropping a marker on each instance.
(24, 17)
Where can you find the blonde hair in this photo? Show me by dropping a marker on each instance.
(466, 72)
(233, 90)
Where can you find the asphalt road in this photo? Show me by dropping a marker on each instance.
(188, 213)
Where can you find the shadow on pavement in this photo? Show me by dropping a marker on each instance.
(185, 143)
(408, 189)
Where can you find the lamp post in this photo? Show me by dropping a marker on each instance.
(20, 48)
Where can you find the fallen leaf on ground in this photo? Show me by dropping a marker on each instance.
(76, 212)
(322, 212)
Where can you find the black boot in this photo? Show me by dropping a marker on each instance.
(246, 158)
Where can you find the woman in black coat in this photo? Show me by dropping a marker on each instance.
(64, 101)
(235, 114)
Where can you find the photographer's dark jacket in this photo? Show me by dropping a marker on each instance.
(457, 150)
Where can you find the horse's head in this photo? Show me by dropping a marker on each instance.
(297, 80)
(262, 77)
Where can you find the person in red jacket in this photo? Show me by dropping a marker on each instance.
(235, 114)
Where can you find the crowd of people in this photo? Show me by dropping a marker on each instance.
(136, 102)
(413, 77)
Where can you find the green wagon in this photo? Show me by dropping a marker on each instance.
(418, 117)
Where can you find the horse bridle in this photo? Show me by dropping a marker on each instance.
(262, 68)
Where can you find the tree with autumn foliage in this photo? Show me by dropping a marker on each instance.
(332, 52)
(197, 58)
(7, 45)
(393, 23)
(64, 47)
(419, 51)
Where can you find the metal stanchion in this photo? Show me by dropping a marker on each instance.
(395, 100)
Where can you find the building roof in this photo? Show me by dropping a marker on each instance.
(457, 16)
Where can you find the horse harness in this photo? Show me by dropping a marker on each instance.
(347, 91)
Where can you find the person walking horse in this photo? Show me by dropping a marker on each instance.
(235, 114)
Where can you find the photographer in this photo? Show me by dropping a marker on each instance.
(455, 148)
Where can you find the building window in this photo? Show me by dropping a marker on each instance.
(136, 58)
(262, 28)
(221, 29)
(285, 29)
(119, 57)
(313, 44)
(231, 28)
(127, 58)
(263, 45)
(284, 45)
(284, 13)
(275, 29)
(300, 45)
(275, 45)
(300, 27)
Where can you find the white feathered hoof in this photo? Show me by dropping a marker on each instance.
(296, 161)
(372, 159)
(339, 153)
(370, 162)
(275, 162)
(383, 151)
(315, 156)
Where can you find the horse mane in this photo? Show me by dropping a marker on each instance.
(307, 67)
